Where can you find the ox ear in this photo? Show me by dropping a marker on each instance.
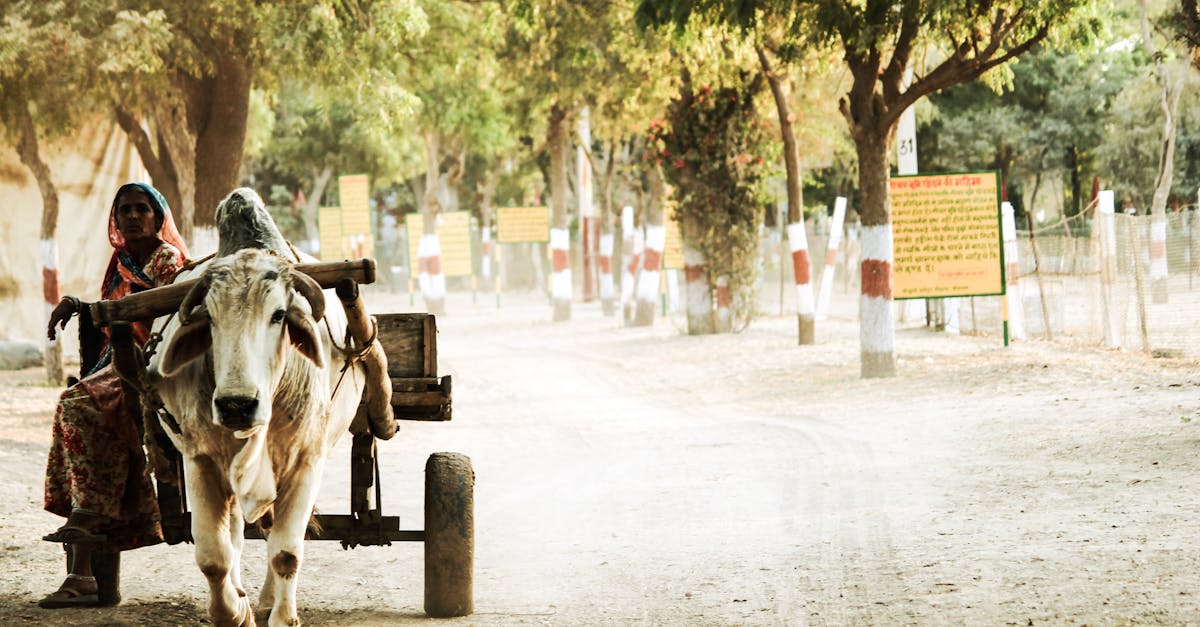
(304, 337)
(188, 343)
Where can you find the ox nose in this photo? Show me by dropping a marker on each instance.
(236, 412)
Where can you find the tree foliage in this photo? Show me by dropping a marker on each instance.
(712, 151)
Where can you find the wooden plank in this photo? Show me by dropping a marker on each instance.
(431, 346)
(403, 338)
(161, 301)
(429, 398)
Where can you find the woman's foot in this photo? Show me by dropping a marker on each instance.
(75, 591)
(81, 526)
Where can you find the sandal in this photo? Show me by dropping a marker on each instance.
(80, 527)
(73, 534)
(72, 593)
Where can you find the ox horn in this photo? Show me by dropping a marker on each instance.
(310, 290)
(192, 309)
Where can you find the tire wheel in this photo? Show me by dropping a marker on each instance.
(449, 535)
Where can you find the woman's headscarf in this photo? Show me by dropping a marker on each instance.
(167, 233)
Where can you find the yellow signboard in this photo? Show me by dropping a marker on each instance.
(522, 224)
(354, 192)
(946, 235)
(454, 239)
(672, 247)
(329, 225)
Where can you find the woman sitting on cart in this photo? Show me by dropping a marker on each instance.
(96, 472)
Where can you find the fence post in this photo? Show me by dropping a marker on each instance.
(1108, 267)
(1014, 309)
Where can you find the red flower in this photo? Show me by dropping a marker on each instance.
(678, 163)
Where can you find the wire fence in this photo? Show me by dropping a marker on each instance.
(1133, 284)
(1138, 290)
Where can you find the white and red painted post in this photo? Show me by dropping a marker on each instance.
(697, 296)
(1158, 257)
(1108, 267)
(560, 279)
(648, 283)
(430, 277)
(802, 277)
(631, 257)
(1013, 303)
(877, 320)
(607, 287)
(51, 295)
(831, 257)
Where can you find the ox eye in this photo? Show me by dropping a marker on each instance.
(278, 316)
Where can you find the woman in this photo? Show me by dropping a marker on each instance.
(95, 475)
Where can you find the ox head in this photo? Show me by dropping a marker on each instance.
(248, 308)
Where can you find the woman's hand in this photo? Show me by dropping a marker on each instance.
(66, 308)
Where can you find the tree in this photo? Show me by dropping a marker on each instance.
(1052, 122)
(712, 152)
(315, 133)
(878, 39)
(46, 92)
(555, 50)
(188, 68)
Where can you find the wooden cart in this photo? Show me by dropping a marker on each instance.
(410, 344)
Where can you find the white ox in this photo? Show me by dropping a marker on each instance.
(248, 371)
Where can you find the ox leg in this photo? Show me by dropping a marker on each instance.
(285, 544)
(217, 556)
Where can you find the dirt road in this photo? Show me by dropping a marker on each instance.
(642, 476)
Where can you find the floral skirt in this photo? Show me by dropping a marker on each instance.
(97, 463)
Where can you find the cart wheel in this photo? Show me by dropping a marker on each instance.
(449, 535)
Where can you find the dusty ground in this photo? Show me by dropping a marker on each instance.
(642, 476)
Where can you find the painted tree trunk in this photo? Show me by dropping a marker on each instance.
(429, 273)
(877, 334)
(607, 288)
(832, 250)
(697, 295)
(560, 240)
(797, 239)
(648, 281)
(632, 245)
(1158, 257)
(429, 250)
(27, 150)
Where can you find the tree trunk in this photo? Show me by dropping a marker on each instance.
(797, 238)
(429, 252)
(606, 182)
(558, 144)
(648, 282)
(179, 143)
(877, 332)
(27, 149)
(487, 218)
(312, 205)
(218, 110)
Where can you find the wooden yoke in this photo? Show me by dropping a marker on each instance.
(380, 417)
(164, 300)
